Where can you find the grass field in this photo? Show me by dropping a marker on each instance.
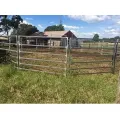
(17, 86)
(35, 87)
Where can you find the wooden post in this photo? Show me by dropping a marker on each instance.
(118, 89)
(89, 45)
(114, 56)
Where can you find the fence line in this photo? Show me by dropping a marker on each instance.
(69, 55)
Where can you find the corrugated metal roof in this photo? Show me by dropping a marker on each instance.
(55, 33)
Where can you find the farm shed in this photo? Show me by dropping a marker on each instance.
(37, 40)
(52, 38)
(57, 41)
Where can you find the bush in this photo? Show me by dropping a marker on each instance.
(4, 57)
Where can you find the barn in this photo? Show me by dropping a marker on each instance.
(57, 41)
(52, 38)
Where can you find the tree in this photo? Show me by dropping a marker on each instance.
(5, 24)
(117, 37)
(55, 28)
(25, 29)
(96, 38)
(15, 21)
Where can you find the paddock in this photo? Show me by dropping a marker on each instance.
(83, 58)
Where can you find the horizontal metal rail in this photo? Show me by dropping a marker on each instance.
(109, 48)
(8, 43)
(91, 73)
(92, 61)
(96, 55)
(88, 68)
(40, 37)
(8, 50)
(8, 36)
(31, 36)
(39, 71)
(42, 60)
(42, 53)
(41, 66)
(43, 46)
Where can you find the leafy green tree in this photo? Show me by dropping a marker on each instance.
(117, 37)
(96, 38)
(15, 21)
(25, 29)
(5, 24)
(55, 28)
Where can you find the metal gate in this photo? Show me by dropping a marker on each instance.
(62, 56)
(94, 57)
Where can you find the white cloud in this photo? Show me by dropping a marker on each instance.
(40, 26)
(71, 27)
(90, 18)
(112, 32)
(4, 33)
(26, 22)
(87, 34)
(118, 22)
(29, 18)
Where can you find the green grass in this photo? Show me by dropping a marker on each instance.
(35, 87)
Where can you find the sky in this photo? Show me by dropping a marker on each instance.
(83, 26)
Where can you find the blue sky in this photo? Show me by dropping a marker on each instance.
(82, 25)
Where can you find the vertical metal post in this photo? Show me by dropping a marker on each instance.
(66, 65)
(114, 56)
(9, 42)
(50, 44)
(69, 56)
(21, 43)
(18, 51)
(36, 43)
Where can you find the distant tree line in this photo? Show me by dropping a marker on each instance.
(96, 38)
(55, 28)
